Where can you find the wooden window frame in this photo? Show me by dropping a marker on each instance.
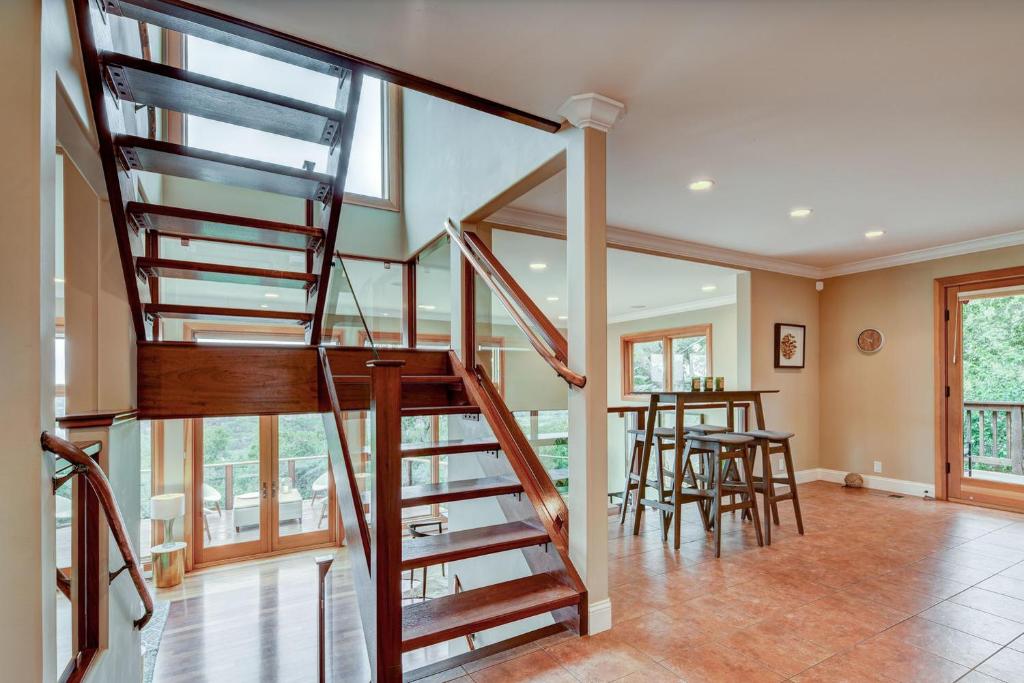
(665, 336)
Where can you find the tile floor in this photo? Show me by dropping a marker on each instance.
(879, 589)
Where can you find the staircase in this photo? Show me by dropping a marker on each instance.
(121, 82)
(390, 383)
(535, 512)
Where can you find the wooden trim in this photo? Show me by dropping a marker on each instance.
(96, 418)
(948, 427)
(546, 170)
(666, 336)
(100, 486)
(409, 333)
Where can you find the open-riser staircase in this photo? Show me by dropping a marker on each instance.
(123, 82)
(431, 383)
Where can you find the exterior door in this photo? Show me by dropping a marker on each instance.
(260, 485)
(983, 369)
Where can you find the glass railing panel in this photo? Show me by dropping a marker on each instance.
(434, 295)
(364, 303)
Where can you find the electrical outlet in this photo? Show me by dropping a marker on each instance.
(878, 467)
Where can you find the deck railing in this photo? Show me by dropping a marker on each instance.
(993, 433)
(289, 470)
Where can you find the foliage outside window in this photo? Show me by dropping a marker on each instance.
(665, 360)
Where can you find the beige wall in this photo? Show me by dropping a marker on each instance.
(776, 298)
(881, 406)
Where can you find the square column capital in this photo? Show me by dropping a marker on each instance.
(591, 110)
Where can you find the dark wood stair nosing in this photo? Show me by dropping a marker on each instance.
(200, 312)
(479, 609)
(452, 447)
(426, 551)
(462, 489)
(153, 267)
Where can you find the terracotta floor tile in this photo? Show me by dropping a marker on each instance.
(658, 674)
(993, 603)
(974, 622)
(949, 570)
(1017, 645)
(1014, 572)
(994, 550)
(923, 582)
(1006, 665)
(783, 654)
(840, 669)
(902, 661)
(878, 590)
(712, 663)
(941, 640)
(656, 634)
(536, 667)
(825, 623)
(973, 559)
(1005, 585)
(600, 658)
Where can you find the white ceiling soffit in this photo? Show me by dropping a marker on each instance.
(900, 116)
(697, 305)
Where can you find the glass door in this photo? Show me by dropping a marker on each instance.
(261, 484)
(985, 398)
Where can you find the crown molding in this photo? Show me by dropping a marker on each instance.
(685, 307)
(641, 241)
(1009, 239)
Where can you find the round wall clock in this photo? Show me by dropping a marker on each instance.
(870, 340)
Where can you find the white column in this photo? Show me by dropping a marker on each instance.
(592, 116)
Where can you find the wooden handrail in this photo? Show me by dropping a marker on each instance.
(550, 344)
(105, 495)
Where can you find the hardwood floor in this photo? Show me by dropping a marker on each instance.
(879, 589)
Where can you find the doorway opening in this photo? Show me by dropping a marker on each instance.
(983, 389)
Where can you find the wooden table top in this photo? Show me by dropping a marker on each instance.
(688, 396)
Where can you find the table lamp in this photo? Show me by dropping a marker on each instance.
(166, 507)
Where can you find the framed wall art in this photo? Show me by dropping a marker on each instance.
(790, 345)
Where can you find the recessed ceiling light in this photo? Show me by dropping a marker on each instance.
(800, 212)
(427, 307)
(702, 185)
(264, 305)
(386, 315)
(538, 266)
(874, 234)
(709, 288)
(58, 280)
(552, 298)
(563, 317)
(638, 306)
(271, 295)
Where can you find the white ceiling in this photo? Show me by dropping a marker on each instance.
(906, 116)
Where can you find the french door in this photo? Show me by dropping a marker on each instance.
(983, 373)
(260, 485)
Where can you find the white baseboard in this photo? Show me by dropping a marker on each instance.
(871, 481)
(600, 616)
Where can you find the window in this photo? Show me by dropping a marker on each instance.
(665, 360)
(374, 166)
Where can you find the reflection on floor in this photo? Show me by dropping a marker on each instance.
(880, 589)
(295, 520)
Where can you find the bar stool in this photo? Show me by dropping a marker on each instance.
(722, 453)
(664, 438)
(774, 443)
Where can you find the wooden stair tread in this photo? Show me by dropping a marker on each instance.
(218, 272)
(151, 83)
(184, 19)
(463, 489)
(176, 221)
(425, 551)
(449, 447)
(167, 158)
(454, 616)
(217, 313)
(406, 379)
